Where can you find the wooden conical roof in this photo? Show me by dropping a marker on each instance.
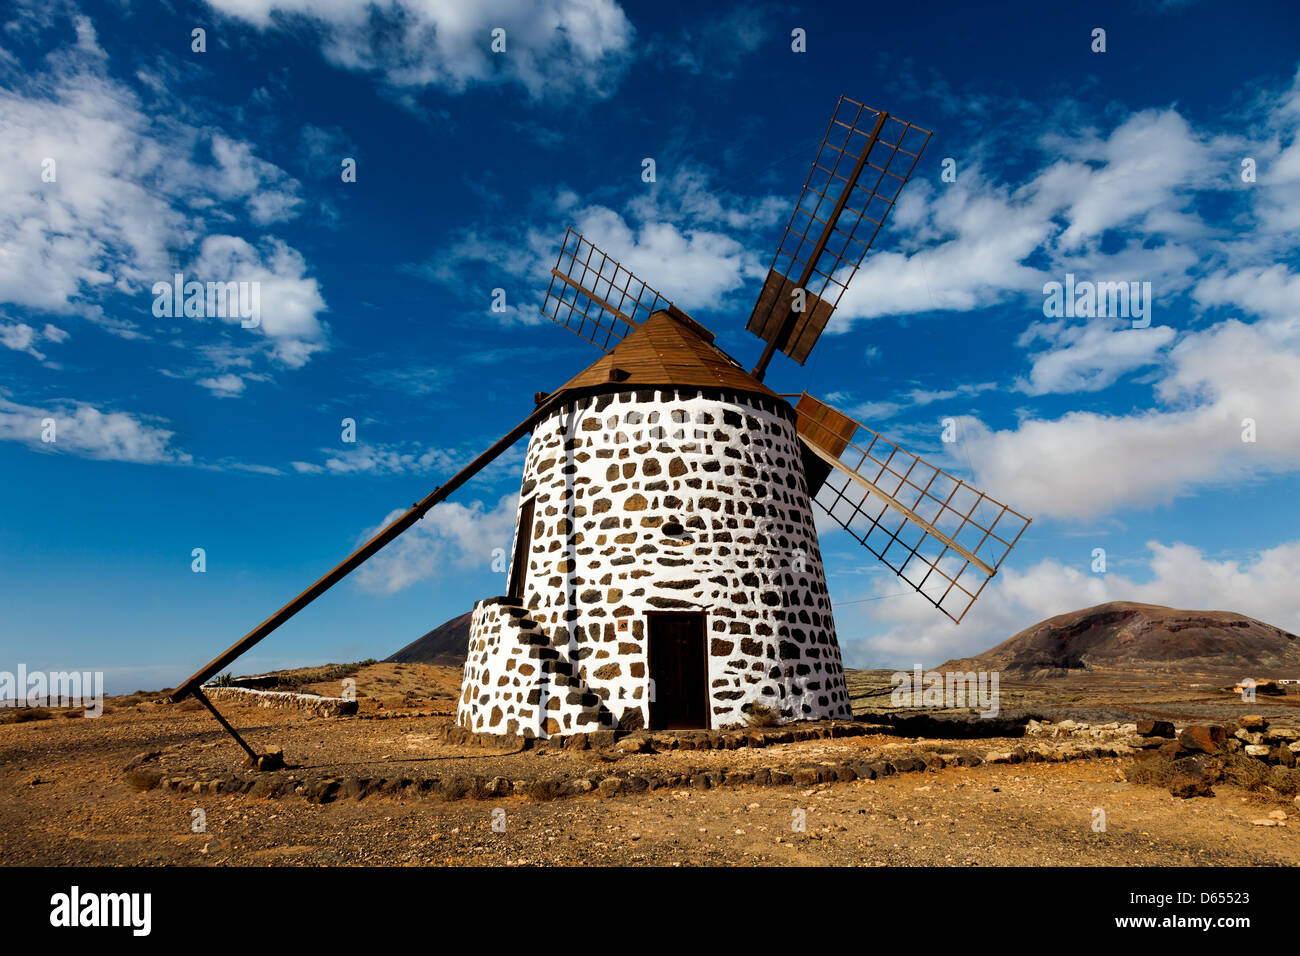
(669, 349)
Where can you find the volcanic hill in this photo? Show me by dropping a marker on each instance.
(446, 644)
(1124, 635)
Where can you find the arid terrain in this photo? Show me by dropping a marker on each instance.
(391, 786)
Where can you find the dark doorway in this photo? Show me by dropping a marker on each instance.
(680, 672)
(523, 548)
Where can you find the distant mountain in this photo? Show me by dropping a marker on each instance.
(1125, 635)
(446, 644)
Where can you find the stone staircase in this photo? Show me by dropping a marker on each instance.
(522, 683)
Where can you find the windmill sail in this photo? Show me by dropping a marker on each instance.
(594, 297)
(936, 532)
(862, 164)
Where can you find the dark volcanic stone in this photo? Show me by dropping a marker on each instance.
(908, 764)
(1155, 728)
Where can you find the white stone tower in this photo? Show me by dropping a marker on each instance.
(666, 572)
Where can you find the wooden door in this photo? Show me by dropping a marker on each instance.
(679, 669)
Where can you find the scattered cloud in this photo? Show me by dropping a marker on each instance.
(80, 429)
(553, 48)
(681, 233)
(714, 46)
(1086, 464)
(868, 412)
(407, 458)
(227, 385)
(414, 381)
(1090, 356)
(290, 300)
(977, 242)
(464, 536)
(21, 337)
(97, 195)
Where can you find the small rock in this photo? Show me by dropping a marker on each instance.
(1258, 750)
(1252, 722)
(1265, 822)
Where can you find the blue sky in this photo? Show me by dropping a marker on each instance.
(183, 433)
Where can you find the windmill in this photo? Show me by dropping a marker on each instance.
(666, 570)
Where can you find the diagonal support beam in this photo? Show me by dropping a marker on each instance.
(371, 547)
(896, 505)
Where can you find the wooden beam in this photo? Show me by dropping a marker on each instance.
(781, 339)
(896, 505)
(593, 297)
(371, 547)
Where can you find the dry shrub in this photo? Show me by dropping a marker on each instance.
(1245, 772)
(1284, 781)
(546, 788)
(1156, 771)
(456, 787)
(761, 715)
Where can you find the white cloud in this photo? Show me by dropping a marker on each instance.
(129, 198)
(553, 47)
(1270, 291)
(271, 194)
(867, 412)
(1090, 356)
(1086, 464)
(695, 268)
(227, 385)
(84, 430)
(290, 301)
(968, 245)
(463, 536)
(407, 458)
(21, 337)
(1179, 576)
(680, 237)
(1140, 176)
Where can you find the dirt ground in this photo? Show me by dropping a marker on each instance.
(64, 800)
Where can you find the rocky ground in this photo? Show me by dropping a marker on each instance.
(405, 791)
